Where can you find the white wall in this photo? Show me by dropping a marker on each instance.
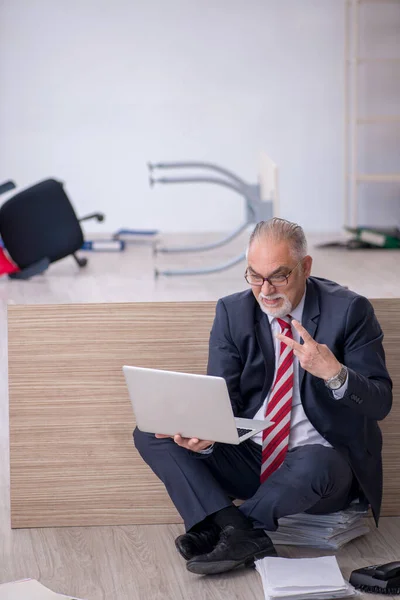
(93, 89)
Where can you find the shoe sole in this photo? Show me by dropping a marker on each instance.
(215, 567)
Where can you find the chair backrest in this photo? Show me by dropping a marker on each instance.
(39, 222)
(71, 450)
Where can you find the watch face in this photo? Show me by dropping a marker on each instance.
(335, 384)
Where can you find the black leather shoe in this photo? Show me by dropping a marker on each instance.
(196, 543)
(236, 548)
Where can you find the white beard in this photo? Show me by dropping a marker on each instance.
(280, 312)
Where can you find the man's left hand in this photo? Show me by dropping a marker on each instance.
(193, 444)
(315, 358)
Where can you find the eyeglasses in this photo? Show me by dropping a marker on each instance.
(278, 280)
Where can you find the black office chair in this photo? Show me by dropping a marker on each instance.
(39, 226)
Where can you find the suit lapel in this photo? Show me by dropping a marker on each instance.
(266, 343)
(310, 318)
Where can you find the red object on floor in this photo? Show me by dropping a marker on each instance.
(6, 264)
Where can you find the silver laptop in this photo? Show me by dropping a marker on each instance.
(192, 405)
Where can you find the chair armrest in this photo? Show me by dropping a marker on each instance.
(7, 186)
(28, 272)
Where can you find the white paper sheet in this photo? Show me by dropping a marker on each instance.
(29, 589)
(302, 578)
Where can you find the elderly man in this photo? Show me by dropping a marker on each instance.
(307, 354)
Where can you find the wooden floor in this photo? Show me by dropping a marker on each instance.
(140, 562)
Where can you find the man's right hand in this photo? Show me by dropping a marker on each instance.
(193, 444)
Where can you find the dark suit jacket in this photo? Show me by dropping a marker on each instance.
(242, 352)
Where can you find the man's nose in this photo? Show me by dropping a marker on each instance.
(267, 288)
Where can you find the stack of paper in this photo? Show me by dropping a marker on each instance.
(330, 531)
(29, 589)
(303, 579)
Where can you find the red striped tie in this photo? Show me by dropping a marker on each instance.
(276, 438)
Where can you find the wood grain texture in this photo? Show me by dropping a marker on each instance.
(388, 313)
(72, 457)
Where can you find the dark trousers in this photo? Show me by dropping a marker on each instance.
(313, 479)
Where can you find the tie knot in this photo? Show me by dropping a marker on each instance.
(285, 325)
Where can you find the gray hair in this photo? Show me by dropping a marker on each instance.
(281, 230)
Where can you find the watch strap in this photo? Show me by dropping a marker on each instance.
(338, 380)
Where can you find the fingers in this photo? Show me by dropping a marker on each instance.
(193, 444)
(178, 439)
(289, 342)
(302, 331)
(296, 347)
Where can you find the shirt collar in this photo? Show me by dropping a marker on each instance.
(296, 313)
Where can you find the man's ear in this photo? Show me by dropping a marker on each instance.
(307, 264)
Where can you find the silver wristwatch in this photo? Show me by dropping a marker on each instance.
(336, 382)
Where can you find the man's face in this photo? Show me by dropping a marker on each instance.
(268, 258)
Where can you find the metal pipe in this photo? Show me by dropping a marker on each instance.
(206, 271)
(197, 165)
(216, 180)
(218, 244)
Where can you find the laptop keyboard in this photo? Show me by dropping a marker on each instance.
(242, 431)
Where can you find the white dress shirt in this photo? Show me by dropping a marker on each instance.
(301, 430)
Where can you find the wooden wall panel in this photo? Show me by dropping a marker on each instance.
(72, 456)
(387, 311)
